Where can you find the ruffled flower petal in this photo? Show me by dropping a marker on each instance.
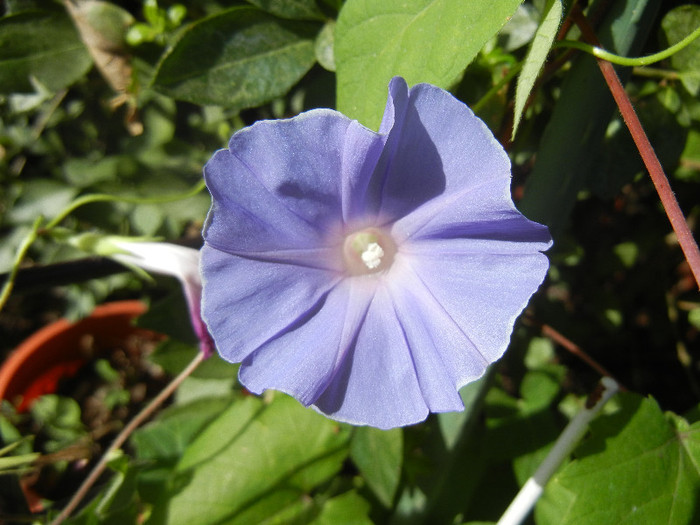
(248, 302)
(288, 184)
(483, 293)
(439, 158)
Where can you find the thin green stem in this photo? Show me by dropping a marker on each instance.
(145, 413)
(103, 197)
(601, 53)
(19, 257)
(77, 203)
(653, 72)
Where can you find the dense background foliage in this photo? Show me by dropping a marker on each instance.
(131, 98)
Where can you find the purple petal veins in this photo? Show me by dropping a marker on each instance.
(369, 275)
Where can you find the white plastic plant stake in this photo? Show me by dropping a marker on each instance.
(523, 503)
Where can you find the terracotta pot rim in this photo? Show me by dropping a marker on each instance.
(60, 334)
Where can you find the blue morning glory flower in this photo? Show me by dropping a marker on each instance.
(369, 275)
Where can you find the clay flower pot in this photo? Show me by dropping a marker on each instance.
(60, 349)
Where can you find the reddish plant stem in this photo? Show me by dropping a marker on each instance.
(576, 350)
(651, 161)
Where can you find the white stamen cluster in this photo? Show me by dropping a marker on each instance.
(368, 251)
(372, 256)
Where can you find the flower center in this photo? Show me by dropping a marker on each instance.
(368, 251)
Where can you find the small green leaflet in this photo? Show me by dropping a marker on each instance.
(536, 55)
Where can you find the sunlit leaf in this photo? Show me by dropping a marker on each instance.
(347, 509)
(166, 439)
(421, 40)
(520, 28)
(250, 452)
(638, 466)
(41, 197)
(324, 46)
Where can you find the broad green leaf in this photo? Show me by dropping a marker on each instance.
(378, 454)
(347, 509)
(283, 506)
(166, 438)
(422, 40)
(638, 466)
(147, 219)
(293, 9)
(536, 55)
(676, 25)
(241, 57)
(248, 453)
(160, 444)
(83, 172)
(43, 45)
(279, 506)
(577, 126)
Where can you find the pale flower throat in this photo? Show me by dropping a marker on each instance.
(368, 251)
